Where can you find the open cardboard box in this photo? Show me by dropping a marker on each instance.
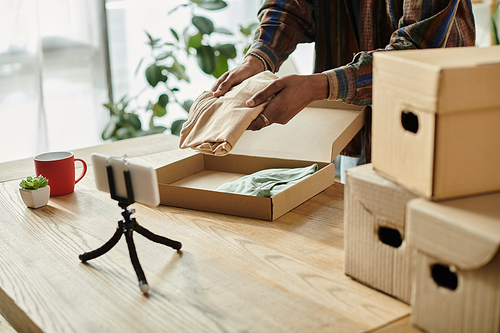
(316, 135)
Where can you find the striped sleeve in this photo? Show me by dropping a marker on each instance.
(283, 24)
(430, 24)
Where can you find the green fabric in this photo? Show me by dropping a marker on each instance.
(266, 183)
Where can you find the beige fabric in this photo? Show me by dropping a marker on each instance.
(215, 124)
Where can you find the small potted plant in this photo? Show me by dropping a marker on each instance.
(35, 191)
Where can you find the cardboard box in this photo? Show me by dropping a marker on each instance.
(376, 250)
(316, 135)
(457, 271)
(435, 120)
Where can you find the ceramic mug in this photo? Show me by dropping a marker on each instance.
(59, 168)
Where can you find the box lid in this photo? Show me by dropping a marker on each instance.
(442, 80)
(317, 133)
(374, 192)
(463, 232)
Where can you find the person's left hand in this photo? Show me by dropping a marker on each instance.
(292, 93)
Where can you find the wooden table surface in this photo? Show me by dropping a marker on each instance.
(233, 274)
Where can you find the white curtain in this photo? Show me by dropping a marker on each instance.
(53, 75)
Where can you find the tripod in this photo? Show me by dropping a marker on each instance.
(127, 225)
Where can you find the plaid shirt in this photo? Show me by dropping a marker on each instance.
(383, 25)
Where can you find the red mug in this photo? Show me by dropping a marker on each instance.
(59, 168)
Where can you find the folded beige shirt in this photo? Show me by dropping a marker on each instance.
(215, 124)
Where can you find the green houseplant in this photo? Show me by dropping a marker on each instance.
(163, 70)
(35, 191)
(494, 24)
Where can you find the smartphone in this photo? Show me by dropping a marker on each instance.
(143, 178)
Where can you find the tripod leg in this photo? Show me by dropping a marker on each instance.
(143, 284)
(156, 238)
(103, 249)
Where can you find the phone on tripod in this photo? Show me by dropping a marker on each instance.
(143, 178)
(129, 182)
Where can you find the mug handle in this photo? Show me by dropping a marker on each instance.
(84, 171)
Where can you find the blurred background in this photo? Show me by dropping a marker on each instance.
(62, 60)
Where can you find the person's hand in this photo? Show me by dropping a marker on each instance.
(289, 95)
(249, 67)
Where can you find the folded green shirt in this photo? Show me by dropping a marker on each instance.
(266, 183)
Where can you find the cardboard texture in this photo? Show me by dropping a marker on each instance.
(457, 264)
(316, 135)
(376, 249)
(435, 120)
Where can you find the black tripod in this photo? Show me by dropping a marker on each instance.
(127, 225)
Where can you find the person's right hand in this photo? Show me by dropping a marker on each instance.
(249, 67)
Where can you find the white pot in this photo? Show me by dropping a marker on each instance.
(35, 198)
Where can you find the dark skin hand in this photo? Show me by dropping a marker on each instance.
(289, 94)
(249, 67)
(292, 93)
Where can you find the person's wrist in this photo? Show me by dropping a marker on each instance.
(320, 86)
(256, 62)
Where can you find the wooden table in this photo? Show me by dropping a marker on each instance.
(233, 274)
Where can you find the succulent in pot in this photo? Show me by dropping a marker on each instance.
(35, 191)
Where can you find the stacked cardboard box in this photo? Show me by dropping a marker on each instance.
(435, 136)
(457, 264)
(435, 120)
(376, 250)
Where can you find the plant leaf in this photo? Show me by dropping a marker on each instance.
(124, 133)
(149, 36)
(159, 111)
(227, 50)
(154, 75)
(153, 42)
(177, 7)
(157, 129)
(163, 77)
(110, 128)
(140, 133)
(221, 66)
(195, 41)
(139, 66)
(494, 27)
(163, 100)
(124, 97)
(134, 120)
(186, 36)
(175, 34)
(178, 70)
(223, 31)
(248, 30)
(206, 58)
(210, 4)
(187, 105)
(176, 127)
(203, 24)
(33, 183)
(110, 106)
(164, 56)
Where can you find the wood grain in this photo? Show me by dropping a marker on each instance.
(232, 275)
(5, 327)
(402, 325)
